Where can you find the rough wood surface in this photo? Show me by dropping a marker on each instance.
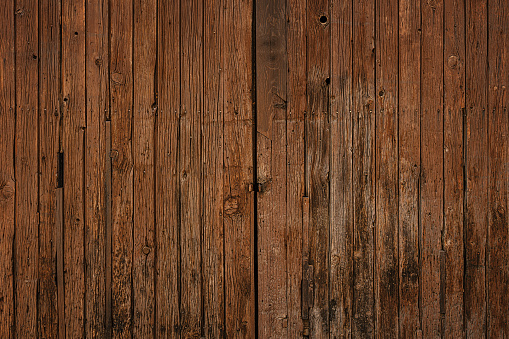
(386, 235)
(144, 111)
(498, 169)
(26, 235)
(431, 180)
(454, 107)
(121, 105)
(476, 168)
(7, 169)
(341, 198)
(271, 105)
(96, 158)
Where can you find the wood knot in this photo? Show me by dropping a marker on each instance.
(231, 205)
(118, 78)
(452, 62)
(146, 250)
(7, 189)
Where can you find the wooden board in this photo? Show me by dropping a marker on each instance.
(409, 166)
(96, 160)
(26, 166)
(451, 306)
(144, 112)
(386, 134)
(167, 219)
(498, 169)
(238, 204)
(476, 168)
(7, 168)
(49, 126)
(431, 179)
(363, 142)
(213, 160)
(271, 109)
(341, 198)
(121, 106)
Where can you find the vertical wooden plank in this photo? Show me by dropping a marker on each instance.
(212, 150)
(167, 175)
(191, 93)
(121, 105)
(386, 237)
(363, 102)
(295, 185)
(341, 199)
(96, 158)
(318, 158)
(73, 148)
(454, 105)
(238, 170)
(271, 86)
(431, 184)
(498, 180)
(476, 167)
(144, 82)
(49, 119)
(409, 165)
(26, 168)
(7, 169)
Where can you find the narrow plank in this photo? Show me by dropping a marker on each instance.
(454, 105)
(317, 158)
(145, 106)
(26, 169)
(191, 93)
(341, 199)
(121, 105)
(386, 237)
(476, 167)
(212, 150)
(271, 99)
(167, 220)
(73, 148)
(295, 185)
(498, 180)
(238, 172)
(431, 181)
(96, 158)
(49, 123)
(7, 169)
(363, 103)
(409, 166)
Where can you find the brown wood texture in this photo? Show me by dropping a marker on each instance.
(254, 169)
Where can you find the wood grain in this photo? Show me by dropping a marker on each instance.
(431, 180)
(213, 166)
(363, 141)
(498, 168)
(386, 235)
(121, 106)
(96, 158)
(145, 108)
(26, 166)
(409, 166)
(271, 85)
(238, 204)
(167, 219)
(454, 107)
(341, 198)
(476, 168)
(49, 126)
(7, 167)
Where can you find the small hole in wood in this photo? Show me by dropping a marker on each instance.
(323, 19)
(75, 33)
(327, 81)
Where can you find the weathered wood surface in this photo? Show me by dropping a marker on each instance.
(254, 169)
